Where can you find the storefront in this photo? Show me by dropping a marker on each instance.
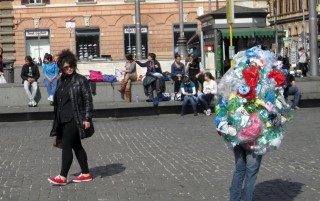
(249, 29)
(129, 35)
(87, 43)
(37, 43)
(190, 32)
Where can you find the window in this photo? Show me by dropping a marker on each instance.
(190, 32)
(294, 5)
(280, 6)
(30, 2)
(287, 6)
(88, 43)
(129, 32)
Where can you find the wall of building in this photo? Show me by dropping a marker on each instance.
(110, 16)
(111, 19)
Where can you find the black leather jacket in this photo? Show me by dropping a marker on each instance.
(81, 99)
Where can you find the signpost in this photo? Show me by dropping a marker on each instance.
(70, 25)
(230, 19)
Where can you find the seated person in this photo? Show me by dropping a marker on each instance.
(177, 73)
(30, 74)
(153, 79)
(209, 90)
(292, 89)
(188, 90)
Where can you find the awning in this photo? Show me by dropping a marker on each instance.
(248, 32)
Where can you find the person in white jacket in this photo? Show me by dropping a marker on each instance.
(209, 90)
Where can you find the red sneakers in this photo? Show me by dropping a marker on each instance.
(82, 178)
(58, 180)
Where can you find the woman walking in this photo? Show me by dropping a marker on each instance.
(130, 76)
(73, 118)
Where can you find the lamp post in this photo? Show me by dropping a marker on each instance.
(275, 25)
(182, 41)
(138, 29)
(313, 38)
(304, 26)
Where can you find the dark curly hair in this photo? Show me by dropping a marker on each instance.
(66, 56)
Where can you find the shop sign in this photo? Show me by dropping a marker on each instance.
(133, 30)
(36, 33)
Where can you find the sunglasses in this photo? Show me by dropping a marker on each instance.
(67, 67)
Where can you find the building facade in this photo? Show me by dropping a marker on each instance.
(292, 17)
(96, 29)
(99, 28)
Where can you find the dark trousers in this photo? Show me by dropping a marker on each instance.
(177, 83)
(148, 90)
(205, 100)
(71, 140)
(304, 68)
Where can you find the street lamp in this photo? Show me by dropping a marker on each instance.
(138, 29)
(182, 41)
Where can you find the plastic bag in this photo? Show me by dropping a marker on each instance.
(3, 80)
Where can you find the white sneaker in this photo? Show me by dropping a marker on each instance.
(33, 103)
(50, 98)
(208, 113)
(30, 104)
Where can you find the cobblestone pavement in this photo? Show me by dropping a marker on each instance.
(166, 157)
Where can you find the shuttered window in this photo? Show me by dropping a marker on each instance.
(24, 2)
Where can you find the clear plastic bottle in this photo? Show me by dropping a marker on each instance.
(137, 98)
(172, 97)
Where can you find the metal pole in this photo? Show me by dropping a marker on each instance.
(304, 26)
(210, 10)
(275, 25)
(313, 38)
(203, 54)
(38, 45)
(216, 52)
(138, 30)
(182, 41)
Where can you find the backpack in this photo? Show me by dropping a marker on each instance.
(166, 76)
(109, 78)
(96, 76)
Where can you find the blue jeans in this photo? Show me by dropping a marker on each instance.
(190, 99)
(51, 87)
(247, 167)
(205, 100)
(297, 95)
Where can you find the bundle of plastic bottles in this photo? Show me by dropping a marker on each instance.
(251, 109)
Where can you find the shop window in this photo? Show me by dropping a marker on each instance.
(30, 2)
(190, 32)
(130, 40)
(87, 43)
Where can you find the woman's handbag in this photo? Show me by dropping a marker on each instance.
(57, 143)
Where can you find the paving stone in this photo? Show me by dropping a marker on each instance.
(156, 158)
